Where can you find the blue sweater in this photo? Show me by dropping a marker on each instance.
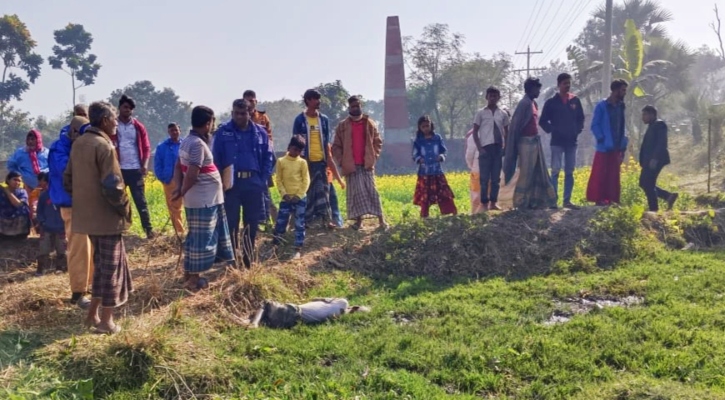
(602, 130)
(20, 162)
(300, 127)
(167, 152)
(57, 161)
(430, 151)
(48, 215)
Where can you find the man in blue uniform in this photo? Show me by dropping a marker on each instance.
(242, 153)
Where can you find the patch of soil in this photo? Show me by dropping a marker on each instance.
(565, 309)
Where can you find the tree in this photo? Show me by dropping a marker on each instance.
(16, 51)
(155, 108)
(14, 126)
(436, 51)
(375, 109)
(716, 28)
(333, 101)
(282, 113)
(71, 55)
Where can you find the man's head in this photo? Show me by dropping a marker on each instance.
(532, 87)
(103, 116)
(202, 119)
(649, 114)
(174, 131)
(126, 105)
(493, 95)
(312, 99)
(563, 81)
(80, 110)
(296, 145)
(43, 180)
(354, 106)
(619, 89)
(251, 97)
(75, 127)
(240, 113)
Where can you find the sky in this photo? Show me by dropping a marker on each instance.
(209, 52)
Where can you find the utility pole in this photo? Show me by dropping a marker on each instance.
(528, 69)
(607, 70)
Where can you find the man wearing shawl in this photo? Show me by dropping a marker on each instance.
(523, 146)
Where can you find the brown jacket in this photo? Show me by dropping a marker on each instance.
(93, 179)
(342, 145)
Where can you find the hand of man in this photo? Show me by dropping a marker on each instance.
(440, 158)
(652, 164)
(342, 184)
(421, 161)
(176, 194)
(144, 171)
(295, 200)
(481, 150)
(287, 198)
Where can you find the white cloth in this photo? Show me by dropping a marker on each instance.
(486, 119)
(128, 146)
(320, 310)
(472, 155)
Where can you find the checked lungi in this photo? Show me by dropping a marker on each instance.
(111, 276)
(363, 199)
(533, 188)
(208, 240)
(318, 195)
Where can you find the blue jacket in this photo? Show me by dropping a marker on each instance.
(48, 215)
(57, 161)
(602, 130)
(430, 151)
(167, 152)
(244, 151)
(300, 128)
(20, 162)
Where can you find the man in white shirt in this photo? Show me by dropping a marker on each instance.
(490, 128)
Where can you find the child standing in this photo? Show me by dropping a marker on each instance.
(432, 187)
(51, 228)
(293, 180)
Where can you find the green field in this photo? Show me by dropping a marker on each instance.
(439, 332)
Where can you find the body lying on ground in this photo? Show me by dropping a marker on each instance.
(277, 315)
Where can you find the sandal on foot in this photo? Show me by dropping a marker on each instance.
(116, 329)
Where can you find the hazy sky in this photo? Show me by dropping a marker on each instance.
(210, 51)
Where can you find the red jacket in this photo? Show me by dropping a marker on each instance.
(142, 140)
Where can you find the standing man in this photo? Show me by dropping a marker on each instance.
(563, 118)
(653, 156)
(315, 128)
(611, 142)
(241, 148)
(261, 118)
(356, 148)
(102, 211)
(79, 252)
(490, 128)
(79, 110)
(198, 182)
(134, 151)
(533, 188)
(167, 153)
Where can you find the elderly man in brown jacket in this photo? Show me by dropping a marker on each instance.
(356, 149)
(101, 210)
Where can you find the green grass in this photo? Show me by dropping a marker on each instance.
(424, 339)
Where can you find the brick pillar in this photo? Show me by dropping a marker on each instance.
(397, 132)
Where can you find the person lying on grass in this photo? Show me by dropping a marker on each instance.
(277, 315)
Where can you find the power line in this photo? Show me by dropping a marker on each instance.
(551, 22)
(566, 27)
(528, 53)
(558, 44)
(536, 19)
(527, 25)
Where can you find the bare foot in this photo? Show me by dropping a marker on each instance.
(108, 329)
(91, 322)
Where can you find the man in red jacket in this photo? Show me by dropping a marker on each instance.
(134, 150)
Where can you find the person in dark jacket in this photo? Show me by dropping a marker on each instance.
(79, 252)
(167, 152)
(563, 118)
(653, 156)
(51, 228)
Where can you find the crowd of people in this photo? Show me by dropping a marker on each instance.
(75, 193)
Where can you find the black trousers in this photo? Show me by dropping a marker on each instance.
(489, 166)
(648, 183)
(137, 184)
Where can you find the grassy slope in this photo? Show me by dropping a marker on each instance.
(424, 339)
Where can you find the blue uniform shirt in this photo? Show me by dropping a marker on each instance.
(248, 152)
